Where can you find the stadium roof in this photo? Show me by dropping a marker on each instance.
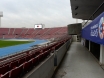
(83, 9)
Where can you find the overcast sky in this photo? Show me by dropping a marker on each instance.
(26, 13)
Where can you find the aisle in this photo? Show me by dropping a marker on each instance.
(79, 63)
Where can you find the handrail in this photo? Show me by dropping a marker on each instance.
(94, 12)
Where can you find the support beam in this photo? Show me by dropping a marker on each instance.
(89, 46)
(101, 54)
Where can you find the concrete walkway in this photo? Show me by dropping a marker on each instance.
(79, 63)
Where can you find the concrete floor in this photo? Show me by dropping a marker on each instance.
(79, 63)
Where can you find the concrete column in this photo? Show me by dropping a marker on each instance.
(89, 45)
(101, 54)
(74, 38)
(82, 41)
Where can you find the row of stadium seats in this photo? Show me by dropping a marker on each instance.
(23, 63)
(19, 66)
(47, 33)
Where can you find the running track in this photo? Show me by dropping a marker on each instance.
(17, 48)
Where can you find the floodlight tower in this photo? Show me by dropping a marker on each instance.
(1, 15)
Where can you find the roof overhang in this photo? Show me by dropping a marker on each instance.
(83, 9)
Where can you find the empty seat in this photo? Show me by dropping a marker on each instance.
(57, 46)
(27, 65)
(48, 52)
(45, 54)
(21, 61)
(37, 53)
(16, 72)
(33, 55)
(28, 58)
(13, 64)
(40, 57)
(4, 69)
(34, 61)
(6, 75)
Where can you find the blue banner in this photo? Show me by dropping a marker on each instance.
(95, 30)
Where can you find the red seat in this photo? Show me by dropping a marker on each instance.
(40, 57)
(28, 58)
(33, 55)
(45, 54)
(34, 61)
(6, 75)
(37, 60)
(13, 64)
(4, 69)
(37, 53)
(16, 72)
(27, 65)
(21, 61)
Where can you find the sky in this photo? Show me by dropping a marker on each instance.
(27, 13)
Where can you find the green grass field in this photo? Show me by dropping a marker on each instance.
(4, 43)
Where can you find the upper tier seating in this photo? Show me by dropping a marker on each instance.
(4, 31)
(31, 33)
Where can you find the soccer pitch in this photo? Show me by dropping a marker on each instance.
(6, 43)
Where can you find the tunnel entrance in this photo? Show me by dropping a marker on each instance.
(87, 44)
(95, 49)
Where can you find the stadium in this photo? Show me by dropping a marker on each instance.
(28, 47)
(71, 51)
(24, 50)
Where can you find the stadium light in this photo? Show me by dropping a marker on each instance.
(1, 15)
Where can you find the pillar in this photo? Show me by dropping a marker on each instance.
(89, 46)
(101, 54)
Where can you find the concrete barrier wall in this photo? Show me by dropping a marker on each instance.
(60, 53)
(45, 70)
(68, 43)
